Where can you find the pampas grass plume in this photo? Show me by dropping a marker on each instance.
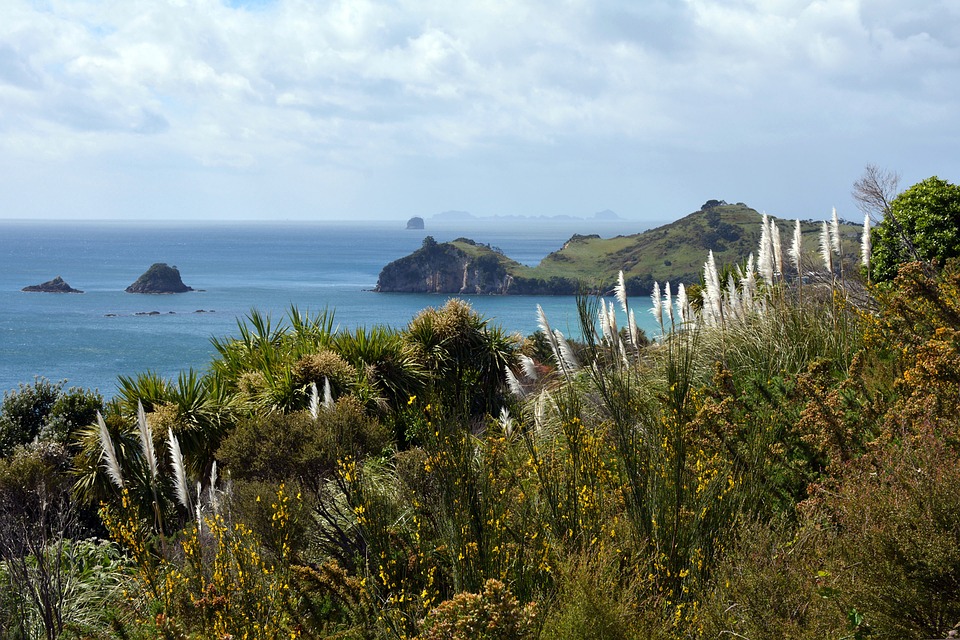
(112, 465)
(146, 440)
(179, 471)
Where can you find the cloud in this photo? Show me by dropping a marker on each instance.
(342, 85)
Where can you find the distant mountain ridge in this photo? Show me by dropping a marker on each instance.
(456, 216)
(674, 252)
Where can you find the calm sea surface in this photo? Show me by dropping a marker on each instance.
(92, 338)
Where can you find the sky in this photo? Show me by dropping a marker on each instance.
(368, 109)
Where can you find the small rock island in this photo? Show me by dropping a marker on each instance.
(415, 222)
(57, 285)
(159, 278)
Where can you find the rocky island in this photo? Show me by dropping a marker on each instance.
(415, 222)
(159, 278)
(57, 285)
(461, 266)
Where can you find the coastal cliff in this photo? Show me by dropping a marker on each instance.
(461, 266)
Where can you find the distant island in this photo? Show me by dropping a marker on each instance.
(671, 253)
(57, 285)
(159, 278)
(461, 216)
(415, 222)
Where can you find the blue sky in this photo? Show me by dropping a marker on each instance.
(309, 109)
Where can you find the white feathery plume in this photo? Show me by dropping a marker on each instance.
(712, 300)
(733, 298)
(529, 368)
(214, 499)
(777, 248)
(542, 321)
(506, 422)
(621, 292)
(682, 303)
(835, 233)
(106, 443)
(796, 247)
(179, 470)
(327, 394)
(198, 509)
(749, 286)
(551, 336)
(146, 441)
(568, 358)
(515, 387)
(764, 254)
(634, 336)
(612, 323)
(865, 247)
(668, 303)
(604, 321)
(826, 250)
(314, 401)
(657, 308)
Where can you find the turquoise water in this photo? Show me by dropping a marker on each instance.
(92, 338)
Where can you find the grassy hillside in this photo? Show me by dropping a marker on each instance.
(676, 252)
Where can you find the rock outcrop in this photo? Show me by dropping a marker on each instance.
(159, 278)
(447, 268)
(57, 285)
(415, 222)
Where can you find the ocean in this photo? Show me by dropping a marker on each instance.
(89, 339)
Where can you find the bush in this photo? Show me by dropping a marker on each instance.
(494, 614)
(279, 447)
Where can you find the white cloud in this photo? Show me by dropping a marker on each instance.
(341, 85)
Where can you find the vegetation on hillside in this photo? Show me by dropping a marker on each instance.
(672, 253)
(781, 460)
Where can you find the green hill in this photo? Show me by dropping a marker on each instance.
(674, 252)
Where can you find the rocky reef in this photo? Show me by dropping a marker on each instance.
(159, 278)
(57, 285)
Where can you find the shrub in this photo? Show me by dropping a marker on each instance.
(493, 614)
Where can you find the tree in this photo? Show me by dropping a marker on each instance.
(922, 223)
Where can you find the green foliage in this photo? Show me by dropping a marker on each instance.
(278, 447)
(923, 224)
(24, 413)
(789, 472)
(464, 356)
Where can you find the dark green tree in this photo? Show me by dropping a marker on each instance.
(923, 224)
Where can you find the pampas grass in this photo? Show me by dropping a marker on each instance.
(327, 394)
(179, 471)
(112, 465)
(826, 248)
(777, 248)
(146, 441)
(865, 247)
(765, 252)
(314, 401)
(796, 249)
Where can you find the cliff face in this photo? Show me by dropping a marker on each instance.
(159, 278)
(446, 268)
